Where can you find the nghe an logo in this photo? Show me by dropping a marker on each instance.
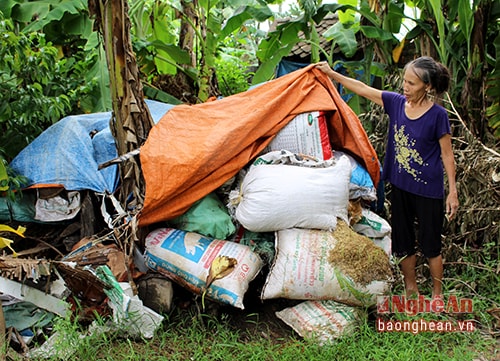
(421, 304)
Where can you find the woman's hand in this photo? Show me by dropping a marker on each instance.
(451, 205)
(324, 67)
(356, 86)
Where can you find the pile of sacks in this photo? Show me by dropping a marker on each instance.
(309, 202)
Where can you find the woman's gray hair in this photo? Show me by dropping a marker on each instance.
(431, 72)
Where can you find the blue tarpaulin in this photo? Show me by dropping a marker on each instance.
(69, 152)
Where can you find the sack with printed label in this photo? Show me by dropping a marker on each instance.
(372, 225)
(323, 265)
(186, 258)
(307, 134)
(322, 321)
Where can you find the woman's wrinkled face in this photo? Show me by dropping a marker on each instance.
(414, 89)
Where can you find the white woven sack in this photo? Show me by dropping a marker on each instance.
(279, 196)
(323, 321)
(372, 225)
(301, 271)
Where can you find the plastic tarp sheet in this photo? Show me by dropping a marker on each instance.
(288, 66)
(69, 152)
(194, 149)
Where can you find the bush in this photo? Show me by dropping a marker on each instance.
(232, 74)
(37, 87)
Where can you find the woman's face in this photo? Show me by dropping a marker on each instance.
(414, 89)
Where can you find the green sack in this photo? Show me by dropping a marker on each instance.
(208, 217)
(21, 210)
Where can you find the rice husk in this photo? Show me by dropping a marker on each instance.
(358, 257)
(354, 211)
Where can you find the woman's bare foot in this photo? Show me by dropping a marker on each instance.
(412, 292)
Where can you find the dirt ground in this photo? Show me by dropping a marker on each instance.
(257, 317)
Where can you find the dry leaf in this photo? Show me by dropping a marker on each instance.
(6, 242)
(221, 266)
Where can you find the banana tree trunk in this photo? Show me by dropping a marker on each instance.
(131, 120)
(201, 43)
(473, 97)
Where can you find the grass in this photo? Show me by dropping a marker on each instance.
(187, 336)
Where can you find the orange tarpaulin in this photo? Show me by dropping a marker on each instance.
(194, 149)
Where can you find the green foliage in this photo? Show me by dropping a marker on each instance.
(233, 62)
(460, 34)
(45, 75)
(437, 12)
(67, 26)
(493, 91)
(10, 183)
(184, 336)
(36, 87)
(49, 12)
(156, 29)
(232, 75)
(155, 32)
(277, 45)
(344, 36)
(472, 277)
(216, 33)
